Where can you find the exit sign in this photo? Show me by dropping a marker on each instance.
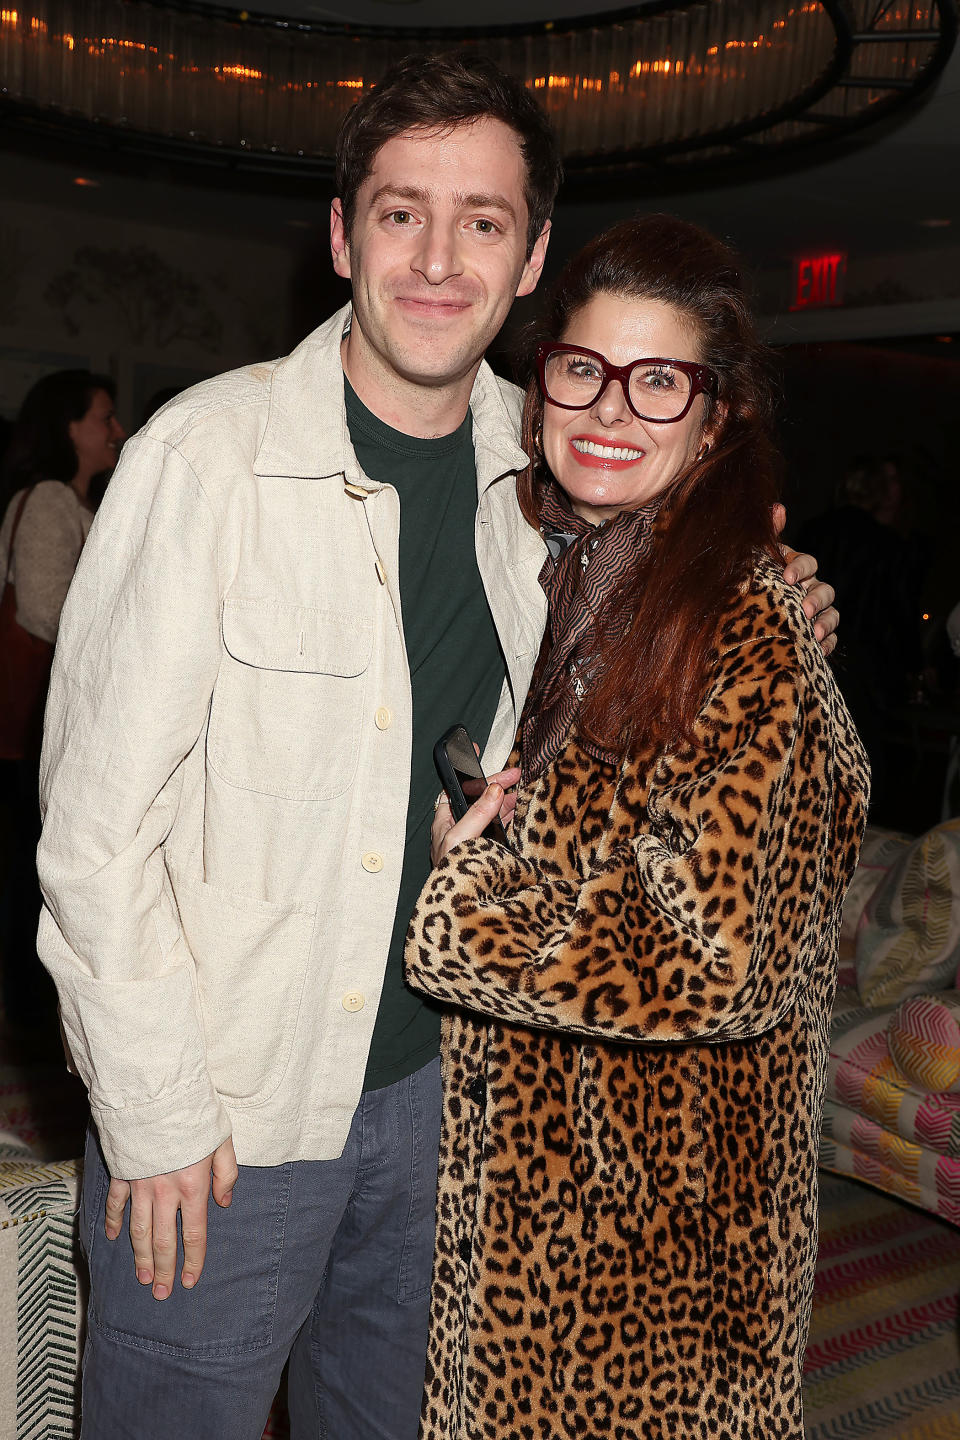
(818, 281)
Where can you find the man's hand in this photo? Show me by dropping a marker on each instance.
(153, 1217)
(445, 834)
(818, 603)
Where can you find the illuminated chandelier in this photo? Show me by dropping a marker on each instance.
(655, 84)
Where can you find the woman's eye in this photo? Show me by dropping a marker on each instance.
(582, 369)
(576, 364)
(659, 379)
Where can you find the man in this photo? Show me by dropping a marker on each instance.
(254, 649)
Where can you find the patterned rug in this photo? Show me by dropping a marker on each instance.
(884, 1355)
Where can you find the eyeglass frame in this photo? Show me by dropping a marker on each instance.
(704, 381)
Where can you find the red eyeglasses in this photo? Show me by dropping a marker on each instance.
(574, 378)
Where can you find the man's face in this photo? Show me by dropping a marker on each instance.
(437, 252)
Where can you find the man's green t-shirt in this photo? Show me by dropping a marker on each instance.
(456, 673)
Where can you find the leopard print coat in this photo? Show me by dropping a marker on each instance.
(634, 1070)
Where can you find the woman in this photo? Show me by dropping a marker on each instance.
(634, 1070)
(66, 435)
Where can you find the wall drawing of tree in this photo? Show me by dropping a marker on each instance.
(158, 303)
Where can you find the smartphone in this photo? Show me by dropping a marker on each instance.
(461, 773)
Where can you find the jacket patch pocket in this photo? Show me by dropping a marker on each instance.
(674, 1125)
(251, 958)
(288, 704)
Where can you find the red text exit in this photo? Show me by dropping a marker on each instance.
(818, 280)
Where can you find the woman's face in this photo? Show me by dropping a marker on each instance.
(605, 459)
(97, 437)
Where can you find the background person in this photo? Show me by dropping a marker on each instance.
(877, 570)
(953, 629)
(634, 1072)
(66, 435)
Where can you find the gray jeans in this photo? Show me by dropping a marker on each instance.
(327, 1262)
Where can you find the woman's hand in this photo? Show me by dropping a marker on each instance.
(819, 595)
(498, 798)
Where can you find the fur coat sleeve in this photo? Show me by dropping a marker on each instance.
(687, 920)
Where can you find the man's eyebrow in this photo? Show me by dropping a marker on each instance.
(400, 192)
(478, 200)
(487, 201)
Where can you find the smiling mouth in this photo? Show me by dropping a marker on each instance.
(431, 306)
(606, 452)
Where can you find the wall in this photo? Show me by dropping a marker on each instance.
(152, 299)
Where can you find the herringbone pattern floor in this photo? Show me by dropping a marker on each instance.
(883, 1361)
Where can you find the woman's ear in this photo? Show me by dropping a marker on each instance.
(712, 428)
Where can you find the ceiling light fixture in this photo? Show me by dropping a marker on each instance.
(657, 84)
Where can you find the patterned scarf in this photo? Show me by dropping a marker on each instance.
(584, 564)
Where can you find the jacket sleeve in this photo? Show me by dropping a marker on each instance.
(133, 675)
(701, 924)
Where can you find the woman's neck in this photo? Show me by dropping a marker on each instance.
(80, 485)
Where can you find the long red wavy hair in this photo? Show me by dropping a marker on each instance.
(649, 679)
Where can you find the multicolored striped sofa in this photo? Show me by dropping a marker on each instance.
(892, 1110)
(41, 1308)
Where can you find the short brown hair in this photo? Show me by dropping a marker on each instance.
(438, 92)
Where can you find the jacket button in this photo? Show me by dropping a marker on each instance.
(465, 1250)
(383, 718)
(353, 1000)
(477, 1090)
(372, 861)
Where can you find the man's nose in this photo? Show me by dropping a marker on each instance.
(438, 256)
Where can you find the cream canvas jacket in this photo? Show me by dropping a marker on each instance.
(227, 758)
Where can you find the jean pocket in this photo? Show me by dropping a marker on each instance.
(416, 1255)
(232, 1308)
(93, 1192)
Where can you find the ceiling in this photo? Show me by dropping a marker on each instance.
(427, 14)
(871, 196)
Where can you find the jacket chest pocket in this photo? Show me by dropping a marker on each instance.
(288, 704)
(673, 1114)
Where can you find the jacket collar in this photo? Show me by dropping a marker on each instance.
(306, 432)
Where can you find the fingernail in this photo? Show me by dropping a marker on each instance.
(144, 1277)
(160, 1292)
(188, 1282)
(227, 1198)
